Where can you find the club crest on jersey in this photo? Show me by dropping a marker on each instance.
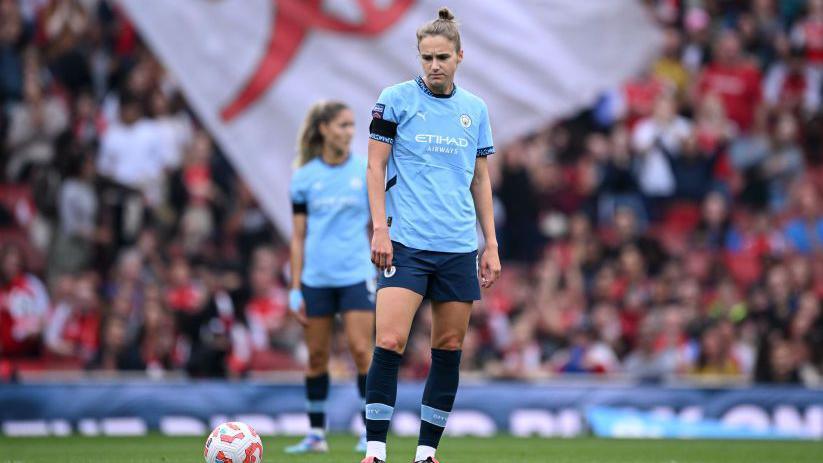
(465, 121)
(377, 111)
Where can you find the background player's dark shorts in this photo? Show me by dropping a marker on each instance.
(439, 276)
(327, 301)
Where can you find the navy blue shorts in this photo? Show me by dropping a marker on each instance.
(327, 301)
(438, 276)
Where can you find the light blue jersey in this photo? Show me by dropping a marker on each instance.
(337, 251)
(435, 141)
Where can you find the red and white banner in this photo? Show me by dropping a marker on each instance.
(251, 68)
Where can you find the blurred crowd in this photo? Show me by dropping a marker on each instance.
(672, 231)
(128, 242)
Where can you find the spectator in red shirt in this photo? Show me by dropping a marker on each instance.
(808, 33)
(266, 310)
(74, 324)
(273, 337)
(24, 304)
(713, 130)
(184, 293)
(640, 94)
(792, 84)
(734, 78)
(186, 298)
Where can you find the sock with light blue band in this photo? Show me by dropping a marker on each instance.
(378, 417)
(317, 391)
(438, 396)
(379, 412)
(316, 406)
(433, 416)
(381, 393)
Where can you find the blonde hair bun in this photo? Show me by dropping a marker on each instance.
(444, 25)
(445, 14)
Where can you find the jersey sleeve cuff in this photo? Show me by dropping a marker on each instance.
(483, 152)
(299, 208)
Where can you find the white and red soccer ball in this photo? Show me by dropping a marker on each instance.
(233, 442)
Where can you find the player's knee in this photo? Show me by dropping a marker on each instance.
(392, 342)
(450, 341)
(318, 361)
(360, 352)
(361, 358)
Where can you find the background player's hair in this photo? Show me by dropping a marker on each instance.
(444, 25)
(309, 138)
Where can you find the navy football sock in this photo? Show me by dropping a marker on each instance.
(381, 393)
(317, 391)
(438, 396)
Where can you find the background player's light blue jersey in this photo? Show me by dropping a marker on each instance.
(337, 251)
(437, 140)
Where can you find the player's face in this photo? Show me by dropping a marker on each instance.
(439, 59)
(339, 131)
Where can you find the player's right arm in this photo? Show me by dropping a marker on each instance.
(381, 248)
(382, 132)
(297, 248)
(298, 243)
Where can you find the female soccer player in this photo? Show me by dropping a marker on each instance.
(434, 138)
(331, 272)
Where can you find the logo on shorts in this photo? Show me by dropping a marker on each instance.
(389, 272)
(465, 121)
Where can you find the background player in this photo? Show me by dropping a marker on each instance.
(433, 138)
(331, 272)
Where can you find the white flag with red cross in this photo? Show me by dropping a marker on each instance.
(252, 68)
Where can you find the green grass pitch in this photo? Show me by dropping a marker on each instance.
(502, 449)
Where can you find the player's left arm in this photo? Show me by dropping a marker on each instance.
(481, 189)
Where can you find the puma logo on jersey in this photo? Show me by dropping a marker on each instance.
(421, 115)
